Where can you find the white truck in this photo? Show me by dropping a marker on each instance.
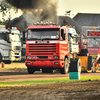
(10, 45)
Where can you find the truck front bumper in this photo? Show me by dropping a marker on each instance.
(45, 64)
(16, 56)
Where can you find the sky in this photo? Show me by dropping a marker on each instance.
(78, 6)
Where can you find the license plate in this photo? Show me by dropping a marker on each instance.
(17, 59)
(41, 42)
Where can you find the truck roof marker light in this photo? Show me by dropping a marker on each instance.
(8, 28)
(94, 28)
(54, 24)
(37, 23)
(70, 26)
(41, 23)
(51, 22)
(46, 22)
(66, 25)
(83, 34)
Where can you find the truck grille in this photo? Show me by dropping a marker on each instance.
(42, 49)
(16, 53)
(16, 47)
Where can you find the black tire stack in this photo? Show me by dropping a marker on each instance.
(75, 68)
(75, 65)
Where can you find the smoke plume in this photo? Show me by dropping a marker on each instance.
(41, 9)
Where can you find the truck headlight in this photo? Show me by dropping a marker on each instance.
(28, 63)
(56, 57)
(28, 57)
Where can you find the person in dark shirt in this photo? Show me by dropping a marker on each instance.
(84, 51)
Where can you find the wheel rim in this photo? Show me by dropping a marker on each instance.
(79, 67)
(66, 66)
(0, 58)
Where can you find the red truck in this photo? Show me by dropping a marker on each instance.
(50, 47)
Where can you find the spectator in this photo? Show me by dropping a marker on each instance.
(84, 51)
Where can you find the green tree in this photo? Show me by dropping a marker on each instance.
(4, 9)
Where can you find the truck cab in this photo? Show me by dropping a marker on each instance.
(10, 45)
(73, 40)
(50, 47)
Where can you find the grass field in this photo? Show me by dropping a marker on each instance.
(19, 83)
(22, 65)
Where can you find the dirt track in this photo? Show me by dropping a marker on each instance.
(21, 74)
(59, 91)
(89, 90)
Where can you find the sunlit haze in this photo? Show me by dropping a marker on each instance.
(81, 6)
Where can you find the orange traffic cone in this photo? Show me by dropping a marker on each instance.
(2, 65)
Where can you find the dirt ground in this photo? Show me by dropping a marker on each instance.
(87, 90)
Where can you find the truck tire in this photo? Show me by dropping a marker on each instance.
(0, 58)
(93, 69)
(64, 70)
(78, 65)
(75, 65)
(72, 64)
(90, 62)
(30, 70)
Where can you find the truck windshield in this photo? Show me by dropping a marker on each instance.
(43, 34)
(93, 42)
(2, 36)
(15, 37)
(74, 40)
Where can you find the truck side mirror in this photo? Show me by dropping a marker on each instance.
(5, 36)
(63, 35)
(69, 35)
(23, 36)
(8, 38)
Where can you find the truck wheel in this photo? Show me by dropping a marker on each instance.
(84, 71)
(78, 65)
(30, 70)
(93, 69)
(66, 67)
(0, 58)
